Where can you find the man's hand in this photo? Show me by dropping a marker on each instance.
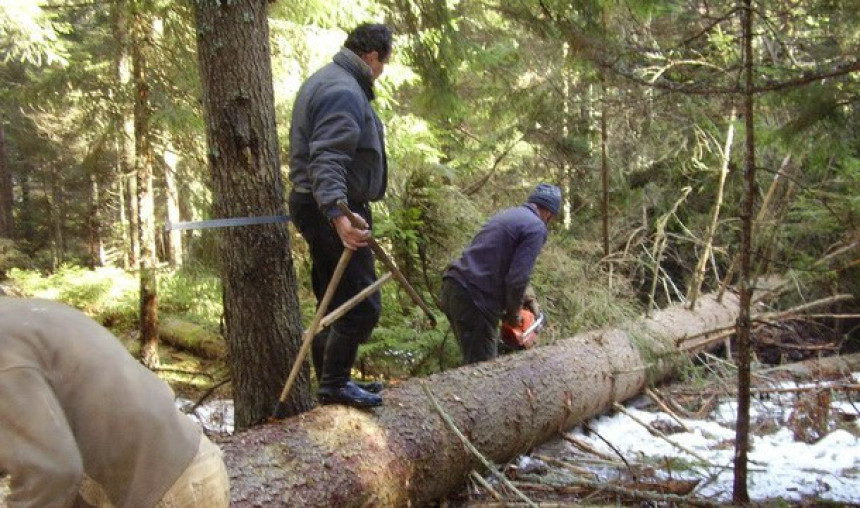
(530, 300)
(352, 238)
(513, 320)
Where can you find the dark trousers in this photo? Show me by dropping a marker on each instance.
(478, 336)
(334, 350)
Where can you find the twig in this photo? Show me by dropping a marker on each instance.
(469, 446)
(725, 331)
(614, 449)
(207, 393)
(587, 448)
(565, 465)
(664, 437)
(192, 373)
(657, 400)
(486, 485)
(646, 495)
(798, 389)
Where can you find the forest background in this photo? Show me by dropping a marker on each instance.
(677, 151)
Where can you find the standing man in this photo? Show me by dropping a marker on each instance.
(489, 281)
(337, 153)
(84, 423)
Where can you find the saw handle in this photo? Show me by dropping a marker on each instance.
(374, 246)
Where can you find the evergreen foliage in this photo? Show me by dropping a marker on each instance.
(482, 100)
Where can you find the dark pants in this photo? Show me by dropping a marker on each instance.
(478, 336)
(334, 350)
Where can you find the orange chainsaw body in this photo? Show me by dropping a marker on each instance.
(519, 337)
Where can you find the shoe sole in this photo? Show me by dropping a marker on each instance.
(328, 402)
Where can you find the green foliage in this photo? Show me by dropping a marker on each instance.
(192, 292)
(110, 295)
(575, 292)
(10, 257)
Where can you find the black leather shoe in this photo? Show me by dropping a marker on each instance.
(348, 395)
(370, 386)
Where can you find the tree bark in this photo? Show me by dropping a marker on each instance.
(261, 310)
(403, 452)
(7, 224)
(126, 186)
(740, 492)
(141, 41)
(173, 237)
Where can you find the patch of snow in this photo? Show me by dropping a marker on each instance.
(215, 416)
(779, 467)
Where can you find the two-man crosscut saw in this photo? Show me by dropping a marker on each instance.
(226, 223)
(320, 320)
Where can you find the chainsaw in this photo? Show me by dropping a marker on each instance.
(525, 335)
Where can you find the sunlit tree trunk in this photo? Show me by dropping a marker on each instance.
(126, 179)
(604, 162)
(57, 205)
(94, 224)
(740, 494)
(261, 313)
(174, 237)
(141, 39)
(7, 224)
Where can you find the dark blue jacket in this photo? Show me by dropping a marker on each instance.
(495, 268)
(337, 142)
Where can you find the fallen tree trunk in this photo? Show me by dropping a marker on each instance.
(193, 338)
(403, 453)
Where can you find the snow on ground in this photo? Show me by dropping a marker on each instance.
(779, 466)
(216, 416)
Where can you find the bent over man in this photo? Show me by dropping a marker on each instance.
(83, 423)
(488, 282)
(337, 153)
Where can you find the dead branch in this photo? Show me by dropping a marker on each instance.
(657, 400)
(468, 444)
(486, 485)
(664, 437)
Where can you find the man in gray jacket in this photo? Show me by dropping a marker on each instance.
(337, 153)
(83, 423)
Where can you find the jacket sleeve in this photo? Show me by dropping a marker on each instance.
(336, 123)
(520, 271)
(37, 447)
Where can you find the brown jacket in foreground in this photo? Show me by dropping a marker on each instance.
(74, 402)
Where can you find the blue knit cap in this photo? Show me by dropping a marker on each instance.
(548, 196)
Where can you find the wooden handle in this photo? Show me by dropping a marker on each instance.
(380, 253)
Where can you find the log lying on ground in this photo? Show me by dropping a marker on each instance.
(403, 454)
(193, 338)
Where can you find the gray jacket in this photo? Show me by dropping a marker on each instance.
(337, 144)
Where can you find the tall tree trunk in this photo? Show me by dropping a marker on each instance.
(28, 233)
(7, 202)
(55, 187)
(740, 494)
(94, 224)
(261, 312)
(127, 190)
(604, 162)
(403, 454)
(174, 237)
(141, 39)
